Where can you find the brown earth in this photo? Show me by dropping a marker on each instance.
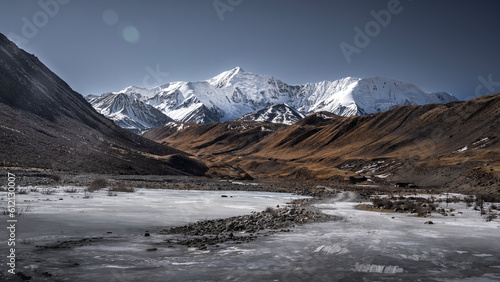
(418, 144)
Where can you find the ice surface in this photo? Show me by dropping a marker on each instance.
(63, 212)
(363, 246)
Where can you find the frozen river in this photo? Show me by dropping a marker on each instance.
(364, 246)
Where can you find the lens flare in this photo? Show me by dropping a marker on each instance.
(131, 34)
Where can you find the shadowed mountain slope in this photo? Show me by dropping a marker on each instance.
(44, 124)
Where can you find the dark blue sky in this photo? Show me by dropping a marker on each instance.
(100, 46)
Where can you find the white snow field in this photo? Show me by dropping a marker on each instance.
(364, 246)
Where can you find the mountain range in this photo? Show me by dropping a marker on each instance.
(236, 93)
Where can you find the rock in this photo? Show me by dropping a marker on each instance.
(23, 276)
(147, 234)
(46, 274)
(429, 222)
(230, 225)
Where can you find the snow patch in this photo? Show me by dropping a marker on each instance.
(333, 249)
(482, 255)
(378, 268)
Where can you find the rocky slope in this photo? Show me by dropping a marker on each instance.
(280, 113)
(45, 125)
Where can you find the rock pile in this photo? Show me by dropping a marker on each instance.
(247, 227)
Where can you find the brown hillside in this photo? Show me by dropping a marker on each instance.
(216, 138)
(418, 144)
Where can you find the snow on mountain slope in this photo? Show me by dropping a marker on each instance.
(356, 96)
(280, 113)
(129, 112)
(235, 93)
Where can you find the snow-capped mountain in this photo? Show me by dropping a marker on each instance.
(235, 93)
(360, 96)
(280, 113)
(129, 112)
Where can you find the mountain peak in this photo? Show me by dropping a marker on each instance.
(232, 72)
(224, 79)
(237, 69)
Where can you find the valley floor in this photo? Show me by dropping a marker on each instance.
(63, 236)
